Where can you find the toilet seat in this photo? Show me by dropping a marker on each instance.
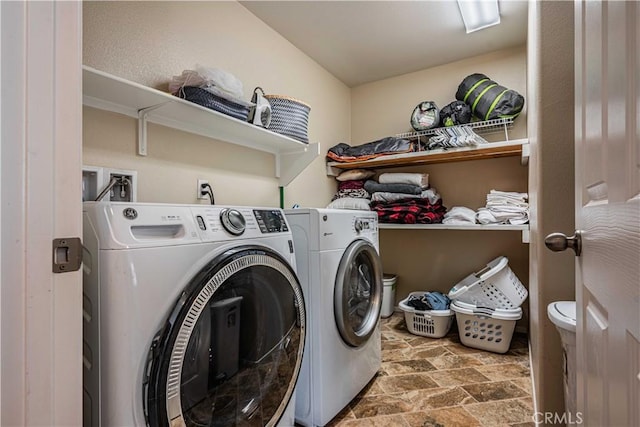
(563, 314)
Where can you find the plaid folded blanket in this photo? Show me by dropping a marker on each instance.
(409, 211)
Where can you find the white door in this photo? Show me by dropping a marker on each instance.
(608, 211)
(41, 158)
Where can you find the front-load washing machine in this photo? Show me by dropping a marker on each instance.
(337, 256)
(193, 316)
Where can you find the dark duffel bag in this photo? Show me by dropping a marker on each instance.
(456, 113)
(487, 99)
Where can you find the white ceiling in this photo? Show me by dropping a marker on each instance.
(364, 41)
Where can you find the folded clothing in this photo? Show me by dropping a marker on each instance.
(360, 193)
(354, 203)
(409, 211)
(350, 185)
(390, 145)
(383, 196)
(504, 207)
(460, 215)
(488, 216)
(420, 179)
(373, 187)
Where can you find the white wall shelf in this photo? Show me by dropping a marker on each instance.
(112, 93)
(478, 227)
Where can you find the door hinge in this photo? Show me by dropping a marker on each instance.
(67, 254)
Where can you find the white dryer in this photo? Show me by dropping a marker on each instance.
(337, 257)
(193, 316)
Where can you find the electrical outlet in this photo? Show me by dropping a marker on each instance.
(201, 192)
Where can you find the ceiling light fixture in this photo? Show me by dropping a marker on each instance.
(479, 14)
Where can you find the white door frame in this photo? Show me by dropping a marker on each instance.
(40, 189)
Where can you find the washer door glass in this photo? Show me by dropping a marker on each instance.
(358, 293)
(230, 351)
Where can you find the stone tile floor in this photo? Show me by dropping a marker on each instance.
(427, 382)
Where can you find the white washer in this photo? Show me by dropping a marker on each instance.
(337, 257)
(193, 315)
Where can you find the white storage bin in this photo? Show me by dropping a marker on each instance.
(495, 286)
(388, 295)
(485, 328)
(426, 323)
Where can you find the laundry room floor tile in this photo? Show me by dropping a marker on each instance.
(440, 382)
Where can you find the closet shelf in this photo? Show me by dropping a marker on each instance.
(478, 227)
(517, 147)
(112, 93)
(480, 127)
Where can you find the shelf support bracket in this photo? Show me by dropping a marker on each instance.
(333, 171)
(526, 151)
(289, 164)
(142, 127)
(526, 236)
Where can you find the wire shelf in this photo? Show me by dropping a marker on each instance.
(482, 127)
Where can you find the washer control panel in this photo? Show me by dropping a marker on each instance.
(270, 221)
(233, 221)
(362, 224)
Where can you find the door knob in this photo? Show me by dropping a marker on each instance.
(558, 242)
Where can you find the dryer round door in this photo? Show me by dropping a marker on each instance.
(230, 351)
(358, 293)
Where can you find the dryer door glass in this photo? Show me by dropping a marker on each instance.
(358, 293)
(230, 351)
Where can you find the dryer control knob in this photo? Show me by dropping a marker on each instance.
(359, 225)
(233, 221)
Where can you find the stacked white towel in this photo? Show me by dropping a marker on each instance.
(420, 179)
(504, 207)
(460, 215)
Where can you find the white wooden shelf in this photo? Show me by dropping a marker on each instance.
(112, 93)
(477, 227)
(516, 147)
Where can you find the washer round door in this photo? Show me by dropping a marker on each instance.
(358, 293)
(231, 349)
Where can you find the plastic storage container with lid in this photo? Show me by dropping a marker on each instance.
(563, 315)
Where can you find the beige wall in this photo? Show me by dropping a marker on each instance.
(149, 42)
(383, 108)
(551, 171)
(438, 259)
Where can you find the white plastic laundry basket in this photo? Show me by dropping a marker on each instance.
(486, 329)
(495, 286)
(426, 323)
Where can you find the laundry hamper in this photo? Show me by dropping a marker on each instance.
(289, 117)
(485, 328)
(495, 286)
(426, 323)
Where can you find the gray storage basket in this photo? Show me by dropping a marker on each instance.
(289, 117)
(207, 99)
